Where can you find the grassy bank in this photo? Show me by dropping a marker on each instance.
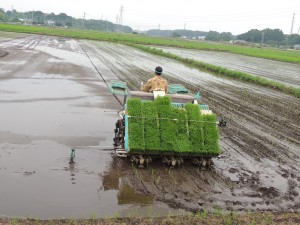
(220, 71)
(201, 218)
(268, 53)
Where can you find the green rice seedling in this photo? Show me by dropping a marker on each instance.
(211, 134)
(167, 124)
(195, 127)
(182, 137)
(151, 128)
(135, 125)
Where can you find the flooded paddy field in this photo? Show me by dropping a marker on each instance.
(286, 73)
(53, 99)
(53, 96)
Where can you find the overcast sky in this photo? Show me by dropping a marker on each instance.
(235, 16)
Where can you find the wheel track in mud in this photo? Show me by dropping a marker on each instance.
(82, 48)
(25, 43)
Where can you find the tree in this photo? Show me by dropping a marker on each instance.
(175, 34)
(38, 17)
(293, 39)
(212, 36)
(2, 14)
(271, 36)
(275, 35)
(216, 36)
(253, 35)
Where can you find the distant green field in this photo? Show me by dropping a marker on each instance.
(268, 53)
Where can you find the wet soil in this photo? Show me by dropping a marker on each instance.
(259, 166)
(4, 36)
(283, 72)
(54, 97)
(3, 53)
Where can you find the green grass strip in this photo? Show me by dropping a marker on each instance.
(136, 125)
(223, 72)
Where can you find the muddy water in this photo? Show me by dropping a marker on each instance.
(260, 162)
(286, 73)
(53, 99)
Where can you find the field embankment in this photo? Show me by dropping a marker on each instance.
(199, 219)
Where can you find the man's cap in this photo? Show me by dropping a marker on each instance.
(158, 70)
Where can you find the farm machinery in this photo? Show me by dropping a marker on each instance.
(171, 127)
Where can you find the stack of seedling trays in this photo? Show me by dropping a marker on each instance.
(157, 127)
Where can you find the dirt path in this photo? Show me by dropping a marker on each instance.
(286, 73)
(259, 168)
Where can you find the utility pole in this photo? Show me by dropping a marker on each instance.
(292, 27)
(84, 14)
(106, 24)
(117, 21)
(299, 30)
(262, 39)
(121, 16)
(12, 10)
(158, 26)
(32, 17)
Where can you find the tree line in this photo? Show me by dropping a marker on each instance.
(61, 20)
(273, 37)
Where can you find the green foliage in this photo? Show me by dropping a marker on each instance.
(216, 36)
(255, 35)
(136, 127)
